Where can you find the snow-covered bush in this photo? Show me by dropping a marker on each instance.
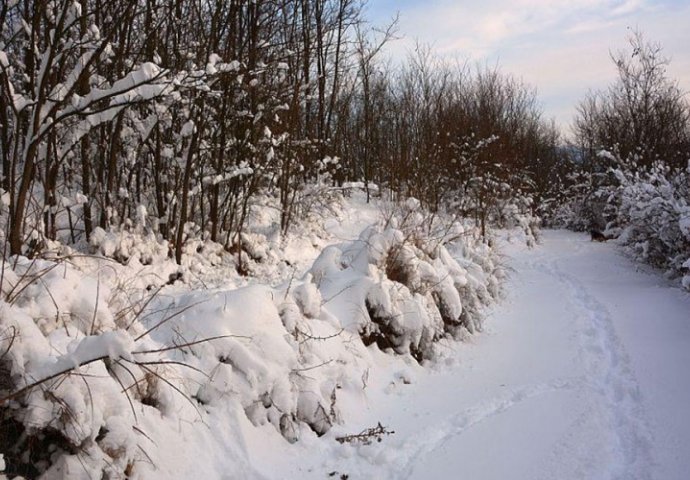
(400, 287)
(517, 212)
(66, 350)
(647, 209)
(650, 213)
(101, 360)
(583, 203)
(124, 245)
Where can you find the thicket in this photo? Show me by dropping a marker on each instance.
(629, 172)
(165, 121)
(171, 117)
(105, 369)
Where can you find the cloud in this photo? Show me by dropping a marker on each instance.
(560, 47)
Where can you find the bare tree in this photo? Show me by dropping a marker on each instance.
(643, 117)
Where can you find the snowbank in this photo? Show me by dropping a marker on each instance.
(108, 368)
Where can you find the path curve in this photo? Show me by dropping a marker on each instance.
(582, 372)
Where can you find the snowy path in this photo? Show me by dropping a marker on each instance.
(582, 373)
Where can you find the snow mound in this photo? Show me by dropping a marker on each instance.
(102, 375)
(123, 245)
(403, 292)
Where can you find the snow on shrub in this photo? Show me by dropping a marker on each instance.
(646, 208)
(97, 372)
(72, 384)
(401, 288)
(124, 245)
(650, 212)
(68, 419)
(516, 214)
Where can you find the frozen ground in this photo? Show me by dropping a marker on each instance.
(582, 373)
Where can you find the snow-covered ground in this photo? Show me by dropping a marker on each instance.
(582, 372)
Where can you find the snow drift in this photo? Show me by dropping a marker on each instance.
(105, 369)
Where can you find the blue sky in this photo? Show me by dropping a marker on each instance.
(559, 46)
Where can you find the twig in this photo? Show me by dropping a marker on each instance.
(124, 390)
(11, 342)
(365, 437)
(312, 367)
(180, 312)
(188, 344)
(311, 337)
(35, 384)
(146, 303)
(184, 395)
(95, 305)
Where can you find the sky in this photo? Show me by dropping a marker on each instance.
(561, 47)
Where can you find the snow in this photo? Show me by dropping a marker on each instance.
(114, 353)
(113, 345)
(187, 129)
(580, 373)
(684, 222)
(77, 8)
(605, 154)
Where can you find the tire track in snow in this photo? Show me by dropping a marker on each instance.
(611, 377)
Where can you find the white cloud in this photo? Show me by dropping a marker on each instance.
(561, 47)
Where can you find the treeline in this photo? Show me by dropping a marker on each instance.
(174, 115)
(472, 139)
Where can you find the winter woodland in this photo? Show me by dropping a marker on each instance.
(222, 222)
